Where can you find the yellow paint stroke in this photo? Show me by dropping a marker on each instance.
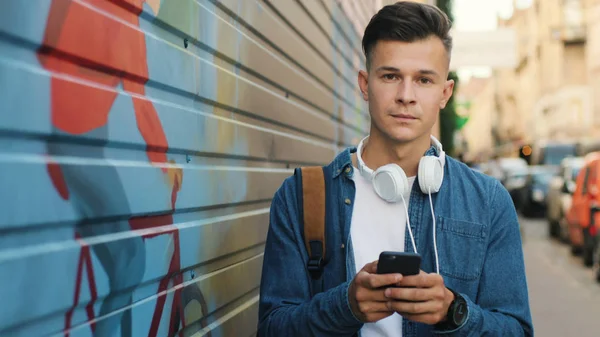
(173, 179)
(155, 5)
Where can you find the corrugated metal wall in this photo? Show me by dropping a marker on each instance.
(140, 145)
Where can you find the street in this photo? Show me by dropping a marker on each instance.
(564, 298)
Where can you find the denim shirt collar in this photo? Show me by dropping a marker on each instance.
(344, 159)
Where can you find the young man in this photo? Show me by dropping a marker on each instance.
(397, 192)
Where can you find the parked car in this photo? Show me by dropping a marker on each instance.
(511, 172)
(535, 191)
(582, 217)
(552, 153)
(515, 179)
(560, 192)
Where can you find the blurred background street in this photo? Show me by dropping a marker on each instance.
(563, 295)
(530, 117)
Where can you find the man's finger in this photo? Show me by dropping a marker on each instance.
(375, 281)
(369, 295)
(422, 280)
(410, 294)
(371, 267)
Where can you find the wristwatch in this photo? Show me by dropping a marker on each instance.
(457, 313)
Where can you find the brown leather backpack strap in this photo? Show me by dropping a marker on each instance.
(313, 200)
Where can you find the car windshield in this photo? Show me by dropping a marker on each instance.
(553, 155)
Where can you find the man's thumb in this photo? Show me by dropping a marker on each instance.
(371, 267)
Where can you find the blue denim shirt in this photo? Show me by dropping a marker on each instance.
(479, 249)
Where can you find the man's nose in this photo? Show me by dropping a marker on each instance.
(405, 93)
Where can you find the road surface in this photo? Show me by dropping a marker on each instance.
(564, 298)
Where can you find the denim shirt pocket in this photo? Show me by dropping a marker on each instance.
(461, 248)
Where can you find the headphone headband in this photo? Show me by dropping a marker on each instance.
(440, 150)
(362, 167)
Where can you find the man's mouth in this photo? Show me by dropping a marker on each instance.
(403, 116)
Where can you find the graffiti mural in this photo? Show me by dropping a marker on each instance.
(83, 109)
(140, 144)
(95, 51)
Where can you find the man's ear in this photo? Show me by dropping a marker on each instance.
(448, 90)
(363, 84)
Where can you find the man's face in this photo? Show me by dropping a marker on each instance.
(406, 87)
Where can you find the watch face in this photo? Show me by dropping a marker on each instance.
(460, 313)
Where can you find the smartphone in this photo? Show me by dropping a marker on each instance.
(399, 262)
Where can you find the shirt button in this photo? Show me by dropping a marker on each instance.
(343, 246)
(348, 169)
(347, 201)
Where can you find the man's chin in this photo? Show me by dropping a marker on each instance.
(408, 137)
(403, 134)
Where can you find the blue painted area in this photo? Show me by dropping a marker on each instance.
(353, 113)
(20, 282)
(17, 18)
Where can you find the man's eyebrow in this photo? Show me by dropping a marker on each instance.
(396, 70)
(428, 72)
(388, 68)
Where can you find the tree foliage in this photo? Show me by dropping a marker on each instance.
(448, 116)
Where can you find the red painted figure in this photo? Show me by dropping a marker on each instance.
(92, 46)
(103, 48)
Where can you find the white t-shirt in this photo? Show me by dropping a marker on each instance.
(377, 226)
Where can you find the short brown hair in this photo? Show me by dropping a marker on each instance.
(407, 21)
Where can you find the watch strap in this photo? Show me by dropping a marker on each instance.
(449, 323)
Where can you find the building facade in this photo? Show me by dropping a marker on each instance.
(550, 93)
(476, 102)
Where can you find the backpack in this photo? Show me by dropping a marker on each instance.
(313, 218)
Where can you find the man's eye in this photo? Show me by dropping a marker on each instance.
(425, 81)
(390, 77)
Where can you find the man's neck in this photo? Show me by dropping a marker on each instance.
(379, 151)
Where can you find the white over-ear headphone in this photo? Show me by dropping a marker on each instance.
(390, 181)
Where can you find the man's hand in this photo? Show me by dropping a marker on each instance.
(421, 298)
(366, 293)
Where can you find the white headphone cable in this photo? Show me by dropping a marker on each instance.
(412, 238)
(437, 262)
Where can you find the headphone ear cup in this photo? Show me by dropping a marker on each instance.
(431, 174)
(390, 183)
